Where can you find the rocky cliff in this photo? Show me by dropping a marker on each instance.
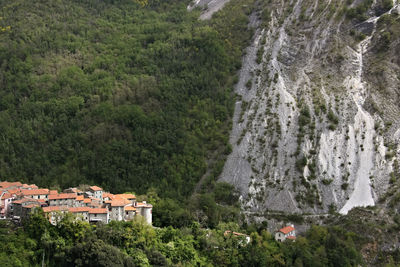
(316, 125)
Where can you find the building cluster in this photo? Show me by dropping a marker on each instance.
(93, 205)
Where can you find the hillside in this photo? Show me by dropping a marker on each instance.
(316, 122)
(114, 93)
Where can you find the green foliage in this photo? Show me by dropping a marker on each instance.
(114, 93)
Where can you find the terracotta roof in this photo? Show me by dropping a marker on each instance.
(27, 192)
(54, 208)
(98, 210)
(62, 196)
(130, 208)
(33, 186)
(286, 229)
(109, 195)
(291, 237)
(6, 184)
(79, 209)
(53, 192)
(6, 195)
(80, 197)
(96, 188)
(87, 200)
(119, 202)
(126, 196)
(14, 191)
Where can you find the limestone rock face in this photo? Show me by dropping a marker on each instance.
(313, 129)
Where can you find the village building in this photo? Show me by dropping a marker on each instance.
(99, 215)
(145, 210)
(36, 193)
(63, 199)
(17, 206)
(288, 232)
(117, 208)
(55, 213)
(97, 192)
(81, 213)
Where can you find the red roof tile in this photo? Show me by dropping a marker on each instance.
(286, 229)
(53, 192)
(95, 188)
(27, 192)
(119, 202)
(80, 197)
(291, 237)
(126, 196)
(98, 210)
(25, 199)
(130, 208)
(6, 184)
(79, 209)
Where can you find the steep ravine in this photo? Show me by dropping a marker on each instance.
(303, 140)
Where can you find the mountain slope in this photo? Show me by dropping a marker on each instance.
(313, 129)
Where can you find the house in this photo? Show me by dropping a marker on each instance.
(288, 232)
(130, 213)
(145, 210)
(99, 215)
(36, 193)
(55, 213)
(97, 192)
(17, 209)
(117, 208)
(130, 197)
(81, 213)
(5, 202)
(63, 199)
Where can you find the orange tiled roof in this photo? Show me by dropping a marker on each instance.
(291, 237)
(62, 196)
(6, 184)
(33, 186)
(79, 209)
(98, 210)
(80, 197)
(87, 200)
(286, 229)
(31, 192)
(53, 192)
(126, 196)
(119, 202)
(130, 208)
(14, 191)
(95, 188)
(6, 195)
(109, 195)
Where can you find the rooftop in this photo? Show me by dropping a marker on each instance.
(95, 188)
(286, 229)
(31, 192)
(98, 210)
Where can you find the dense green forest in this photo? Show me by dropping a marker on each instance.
(76, 243)
(115, 93)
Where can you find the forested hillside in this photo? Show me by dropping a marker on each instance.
(124, 94)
